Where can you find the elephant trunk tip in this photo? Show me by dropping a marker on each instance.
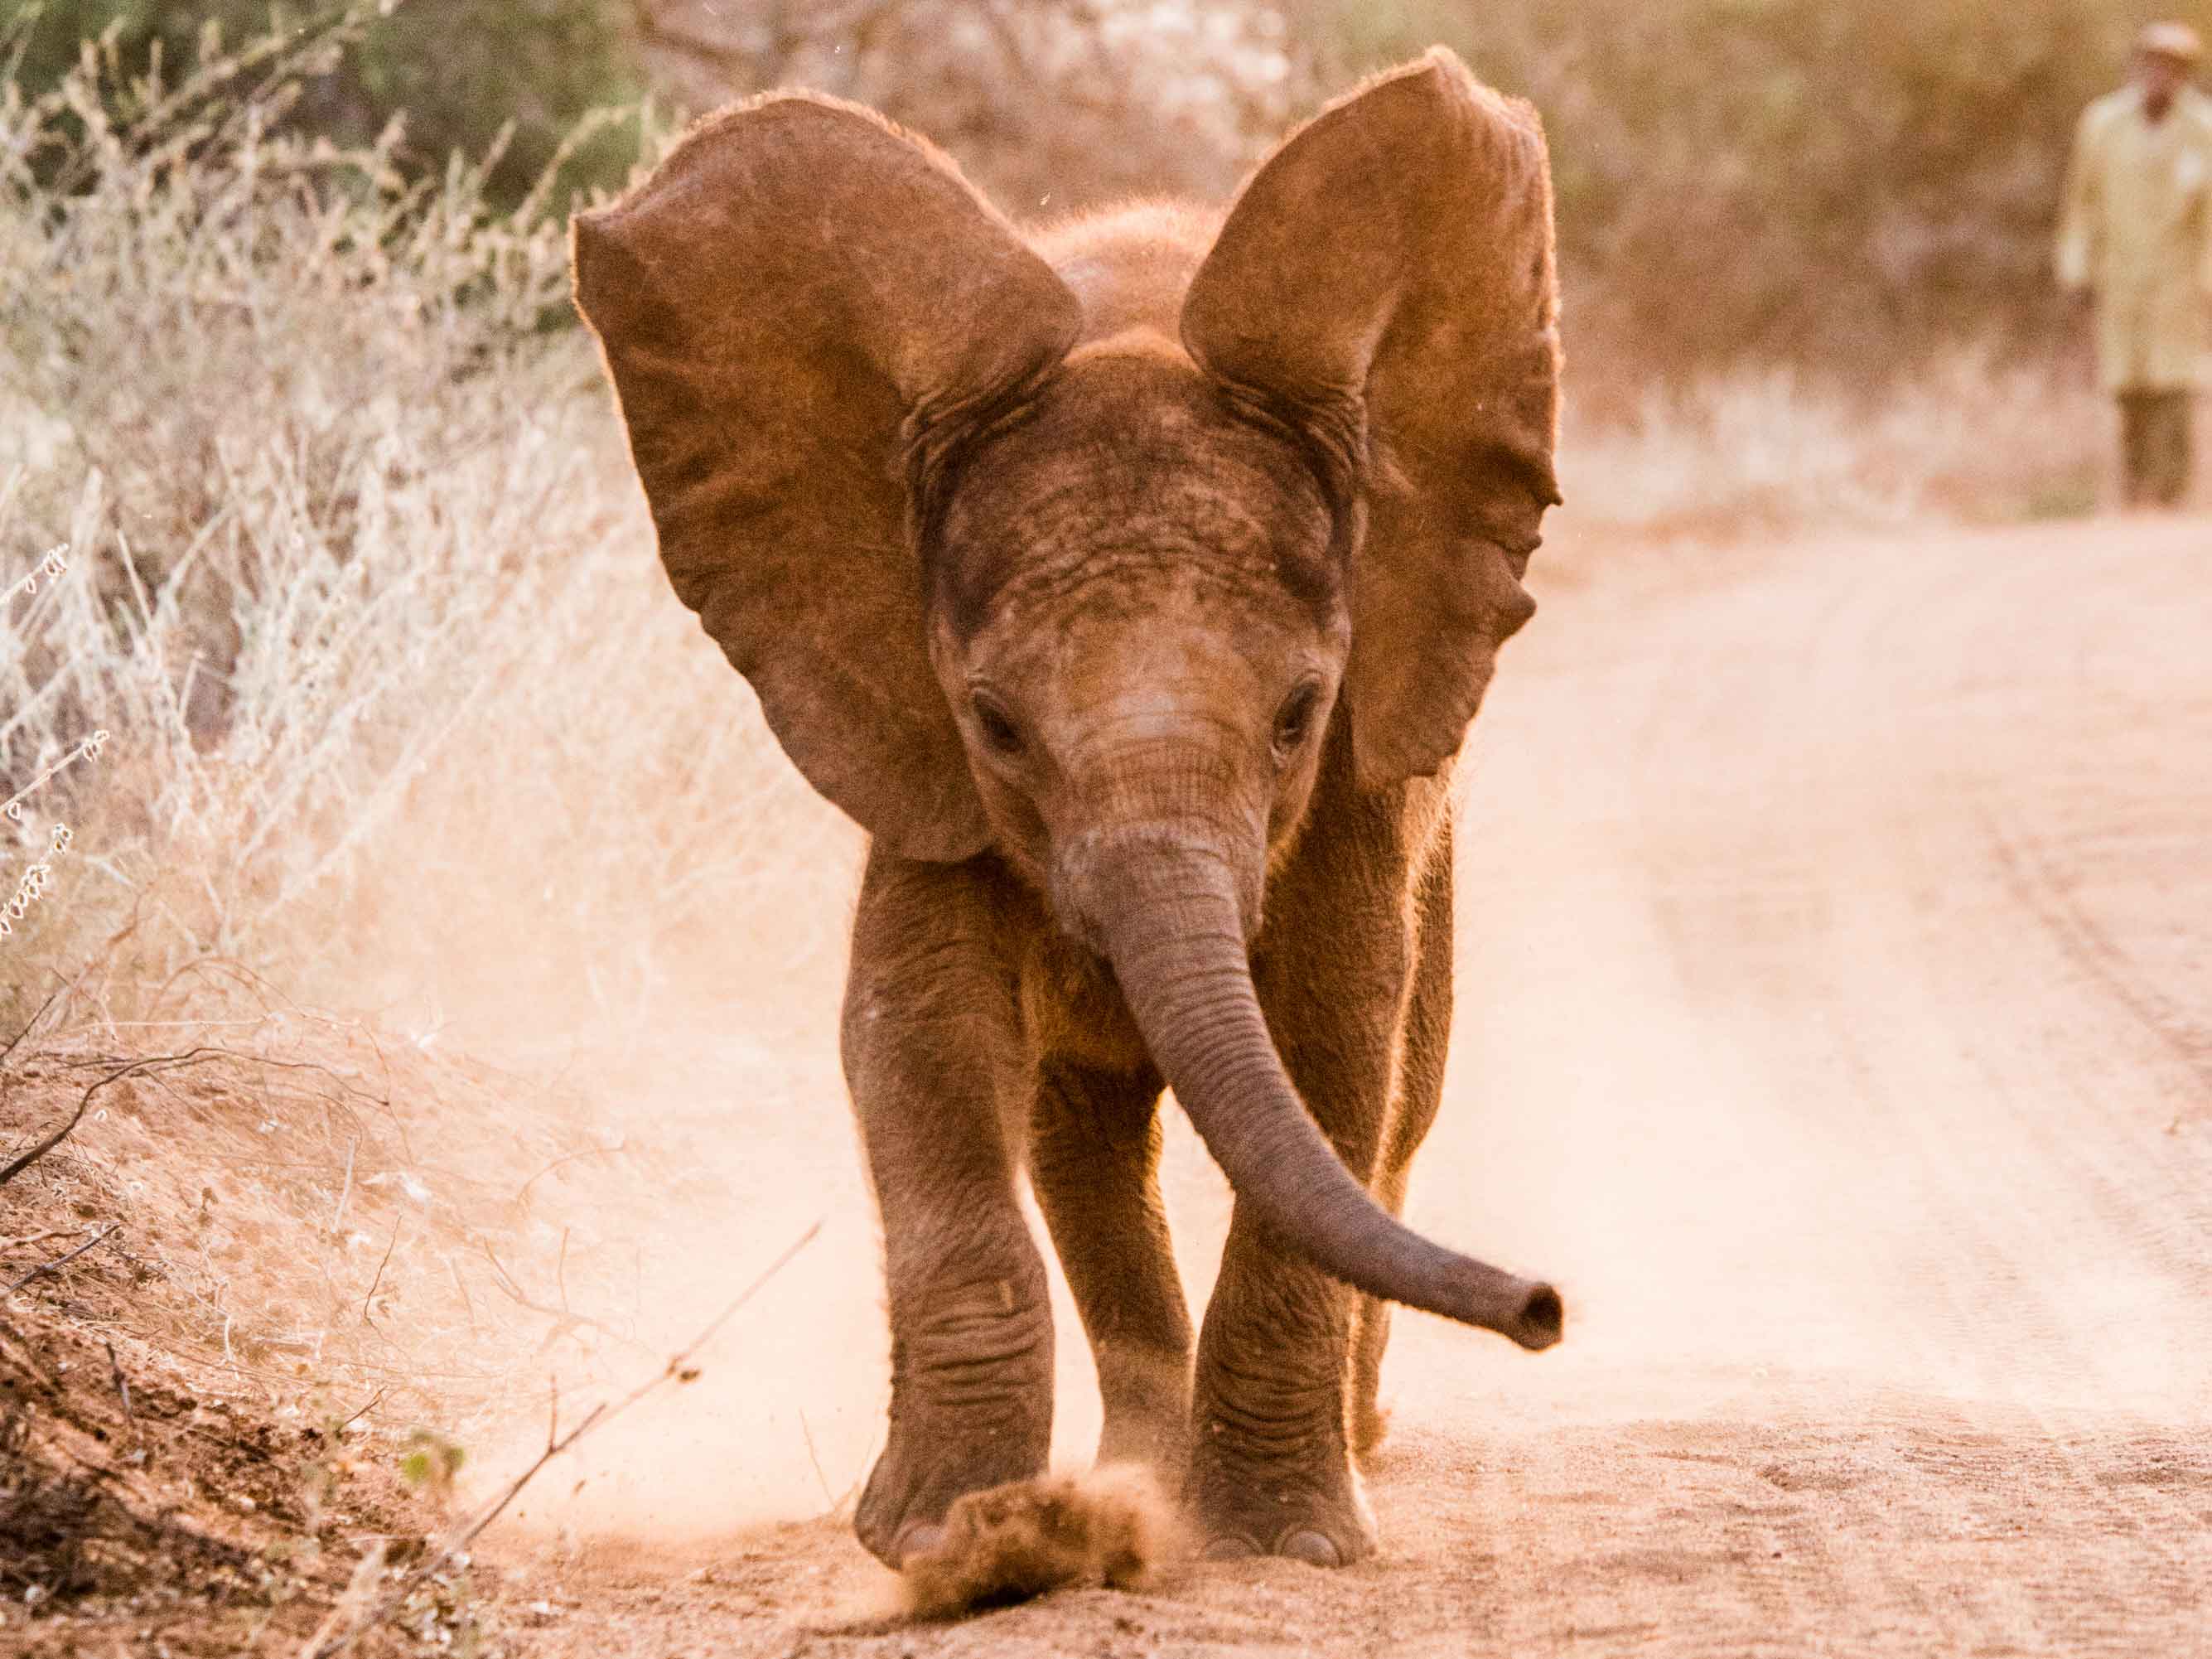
(1529, 1313)
(1543, 1319)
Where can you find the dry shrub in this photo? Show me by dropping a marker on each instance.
(361, 584)
(1051, 105)
(1108, 1526)
(1770, 452)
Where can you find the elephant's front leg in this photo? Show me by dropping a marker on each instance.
(1271, 1467)
(933, 1056)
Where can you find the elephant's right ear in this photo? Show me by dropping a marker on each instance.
(798, 296)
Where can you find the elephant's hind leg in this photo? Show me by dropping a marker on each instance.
(1094, 1162)
(934, 1056)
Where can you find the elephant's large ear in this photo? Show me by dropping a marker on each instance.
(1389, 273)
(797, 297)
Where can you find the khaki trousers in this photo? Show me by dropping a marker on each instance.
(2156, 446)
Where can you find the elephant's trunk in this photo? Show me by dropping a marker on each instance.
(1167, 915)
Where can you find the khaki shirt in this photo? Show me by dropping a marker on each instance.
(2137, 229)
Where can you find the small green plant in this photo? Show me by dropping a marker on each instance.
(431, 1463)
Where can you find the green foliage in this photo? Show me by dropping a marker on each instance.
(467, 76)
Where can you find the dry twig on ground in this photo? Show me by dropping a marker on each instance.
(61, 1261)
(329, 1641)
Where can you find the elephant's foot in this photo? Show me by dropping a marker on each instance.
(1310, 1511)
(976, 1413)
(928, 1467)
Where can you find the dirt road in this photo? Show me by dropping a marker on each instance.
(1836, 1026)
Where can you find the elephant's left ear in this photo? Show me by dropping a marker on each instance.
(1389, 274)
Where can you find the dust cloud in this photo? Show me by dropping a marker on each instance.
(1111, 1526)
(1769, 1053)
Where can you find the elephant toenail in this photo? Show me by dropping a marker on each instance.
(1313, 1549)
(919, 1539)
(1231, 1547)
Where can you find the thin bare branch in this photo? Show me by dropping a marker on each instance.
(372, 1401)
(390, 1244)
(679, 1369)
(564, 1320)
(84, 1102)
(15, 1041)
(59, 1262)
(39, 1238)
(523, 1192)
(122, 1388)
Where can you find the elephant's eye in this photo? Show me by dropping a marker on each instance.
(996, 725)
(1294, 719)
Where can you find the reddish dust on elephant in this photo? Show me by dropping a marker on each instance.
(1133, 586)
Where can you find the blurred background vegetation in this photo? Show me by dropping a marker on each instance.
(1803, 180)
(458, 72)
(1832, 181)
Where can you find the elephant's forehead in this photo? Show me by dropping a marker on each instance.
(1130, 266)
(1128, 480)
(1186, 642)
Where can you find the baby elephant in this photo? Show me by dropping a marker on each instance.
(1132, 580)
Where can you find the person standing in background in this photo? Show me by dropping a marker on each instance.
(2135, 241)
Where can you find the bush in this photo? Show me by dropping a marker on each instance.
(359, 581)
(459, 73)
(1050, 105)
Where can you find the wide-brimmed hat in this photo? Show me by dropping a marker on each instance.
(2176, 40)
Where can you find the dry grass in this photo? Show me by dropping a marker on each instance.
(1967, 435)
(361, 587)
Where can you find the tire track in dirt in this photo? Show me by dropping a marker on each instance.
(2033, 874)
